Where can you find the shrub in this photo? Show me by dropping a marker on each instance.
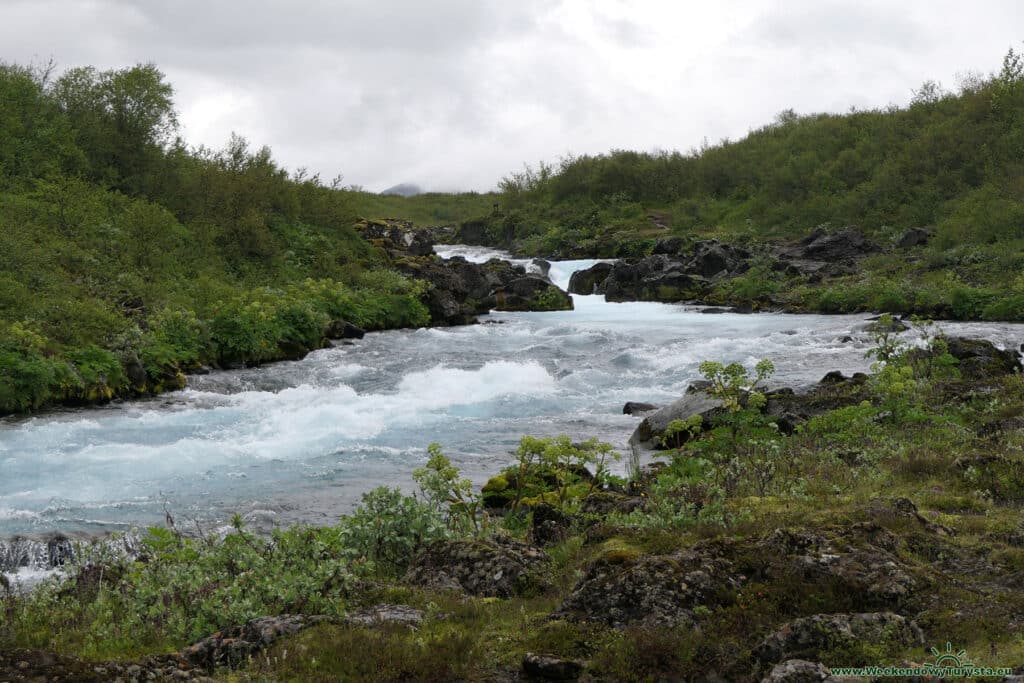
(388, 529)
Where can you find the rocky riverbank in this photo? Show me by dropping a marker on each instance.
(856, 522)
(682, 270)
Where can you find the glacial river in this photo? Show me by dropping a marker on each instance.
(301, 441)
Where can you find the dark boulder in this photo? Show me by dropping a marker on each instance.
(475, 231)
(397, 235)
(650, 430)
(531, 293)
(591, 280)
(135, 371)
(550, 668)
(807, 636)
(894, 325)
(653, 278)
(461, 290)
(342, 329)
(548, 525)
(622, 587)
(540, 266)
(711, 258)
(636, 407)
(981, 359)
(235, 645)
(670, 246)
(822, 254)
(846, 244)
(500, 567)
(914, 237)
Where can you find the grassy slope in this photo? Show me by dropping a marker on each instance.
(429, 209)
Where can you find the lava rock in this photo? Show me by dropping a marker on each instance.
(531, 293)
(548, 525)
(914, 237)
(396, 234)
(342, 329)
(620, 589)
(798, 671)
(541, 267)
(500, 567)
(669, 246)
(236, 644)
(590, 280)
(401, 615)
(550, 667)
(637, 407)
(654, 424)
(807, 636)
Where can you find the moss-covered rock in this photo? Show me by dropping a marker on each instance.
(500, 567)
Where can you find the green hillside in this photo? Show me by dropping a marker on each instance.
(127, 257)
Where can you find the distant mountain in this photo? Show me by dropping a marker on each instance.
(404, 189)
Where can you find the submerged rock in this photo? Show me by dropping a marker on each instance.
(637, 407)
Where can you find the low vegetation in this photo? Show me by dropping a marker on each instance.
(914, 471)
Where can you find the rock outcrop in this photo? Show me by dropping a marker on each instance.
(620, 589)
(650, 430)
(500, 567)
(550, 668)
(823, 253)
(590, 280)
(397, 236)
(914, 237)
(460, 290)
(234, 645)
(807, 636)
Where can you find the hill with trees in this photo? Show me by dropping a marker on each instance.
(128, 257)
(950, 162)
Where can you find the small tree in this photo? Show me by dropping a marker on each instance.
(443, 488)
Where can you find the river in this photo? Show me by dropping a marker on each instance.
(299, 442)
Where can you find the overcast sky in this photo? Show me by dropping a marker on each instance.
(455, 94)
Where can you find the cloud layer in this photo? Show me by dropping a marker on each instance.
(454, 94)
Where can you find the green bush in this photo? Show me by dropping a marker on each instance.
(389, 528)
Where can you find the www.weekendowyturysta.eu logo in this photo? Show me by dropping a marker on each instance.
(949, 663)
(948, 658)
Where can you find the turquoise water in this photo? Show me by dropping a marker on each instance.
(300, 441)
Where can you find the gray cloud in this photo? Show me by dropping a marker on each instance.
(453, 94)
